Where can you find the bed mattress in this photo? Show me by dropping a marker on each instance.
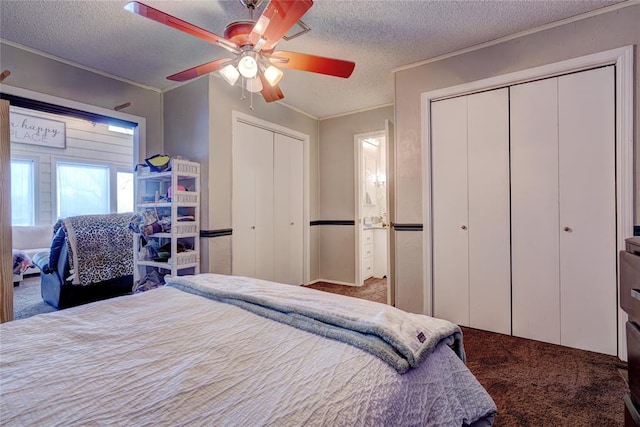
(169, 357)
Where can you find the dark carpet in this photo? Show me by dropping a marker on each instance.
(540, 384)
(533, 383)
(373, 289)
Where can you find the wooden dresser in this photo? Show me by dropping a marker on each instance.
(630, 303)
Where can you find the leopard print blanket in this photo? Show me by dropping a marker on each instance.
(100, 247)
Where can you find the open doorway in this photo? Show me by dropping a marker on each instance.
(82, 165)
(372, 208)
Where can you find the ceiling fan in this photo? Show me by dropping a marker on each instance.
(256, 62)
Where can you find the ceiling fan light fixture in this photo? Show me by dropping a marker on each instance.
(261, 25)
(273, 75)
(230, 74)
(261, 41)
(254, 85)
(248, 66)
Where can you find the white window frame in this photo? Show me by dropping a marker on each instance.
(36, 183)
(112, 179)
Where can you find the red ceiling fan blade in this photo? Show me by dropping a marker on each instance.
(200, 70)
(314, 64)
(270, 93)
(278, 17)
(177, 23)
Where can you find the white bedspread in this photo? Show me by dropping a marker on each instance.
(170, 358)
(399, 338)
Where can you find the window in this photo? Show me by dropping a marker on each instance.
(125, 192)
(82, 189)
(22, 192)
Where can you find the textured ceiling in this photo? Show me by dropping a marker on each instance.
(377, 35)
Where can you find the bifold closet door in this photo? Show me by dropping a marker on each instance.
(450, 210)
(534, 211)
(470, 210)
(288, 209)
(253, 203)
(588, 268)
(489, 216)
(564, 210)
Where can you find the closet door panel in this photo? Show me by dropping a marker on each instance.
(296, 211)
(288, 210)
(450, 214)
(587, 210)
(534, 211)
(263, 165)
(244, 202)
(488, 228)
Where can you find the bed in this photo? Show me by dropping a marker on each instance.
(224, 350)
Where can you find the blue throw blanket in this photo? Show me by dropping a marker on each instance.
(401, 339)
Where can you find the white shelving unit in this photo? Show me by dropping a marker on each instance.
(178, 218)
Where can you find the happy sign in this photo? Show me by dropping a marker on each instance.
(26, 129)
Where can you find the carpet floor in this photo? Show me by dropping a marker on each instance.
(540, 384)
(373, 289)
(27, 300)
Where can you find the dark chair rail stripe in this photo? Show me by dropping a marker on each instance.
(333, 222)
(397, 227)
(216, 233)
(407, 227)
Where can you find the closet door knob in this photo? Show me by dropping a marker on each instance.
(253, 227)
(464, 227)
(291, 224)
(567, 229)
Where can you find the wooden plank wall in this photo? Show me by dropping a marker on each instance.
(86, 142)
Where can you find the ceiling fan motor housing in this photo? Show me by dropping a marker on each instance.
(239, 31)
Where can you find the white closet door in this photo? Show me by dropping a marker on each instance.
(263, 164)
(450, 210)
(288, 203)
(488, 228)
(252, 202)
(243, 203)
(534, 211)
(587, 214)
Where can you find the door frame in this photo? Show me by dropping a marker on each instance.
(358, 156)
(623, 60)
(239, 117)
